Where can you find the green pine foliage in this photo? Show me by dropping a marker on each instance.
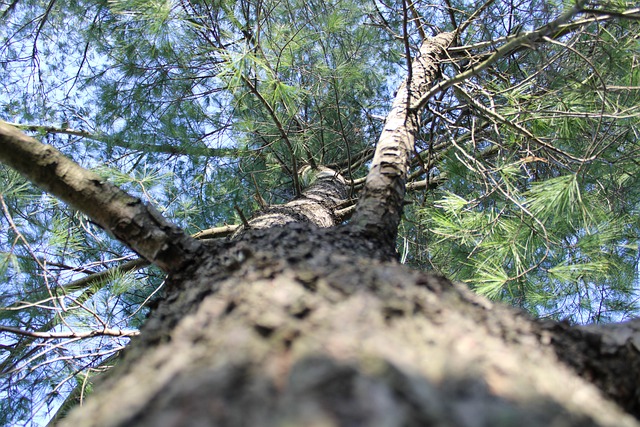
(546, 220)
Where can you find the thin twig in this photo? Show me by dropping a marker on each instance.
(70, 334)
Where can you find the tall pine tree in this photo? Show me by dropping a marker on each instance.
(518, 156)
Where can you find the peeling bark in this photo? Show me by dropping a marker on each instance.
(133, 222)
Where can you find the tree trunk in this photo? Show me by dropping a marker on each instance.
(298, 325)
(380, 202)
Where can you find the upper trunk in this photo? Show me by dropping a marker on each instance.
(379, 208)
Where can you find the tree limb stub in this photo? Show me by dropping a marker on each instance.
(133, 222)
(380, 205)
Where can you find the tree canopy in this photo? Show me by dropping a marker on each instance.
(524, 183)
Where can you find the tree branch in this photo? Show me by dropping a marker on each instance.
(526, 39)
(130, 220)
(186, 150)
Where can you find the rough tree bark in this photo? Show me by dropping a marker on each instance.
(313, 323)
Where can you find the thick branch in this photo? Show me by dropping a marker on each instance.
(134, 223)
(380, 204)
